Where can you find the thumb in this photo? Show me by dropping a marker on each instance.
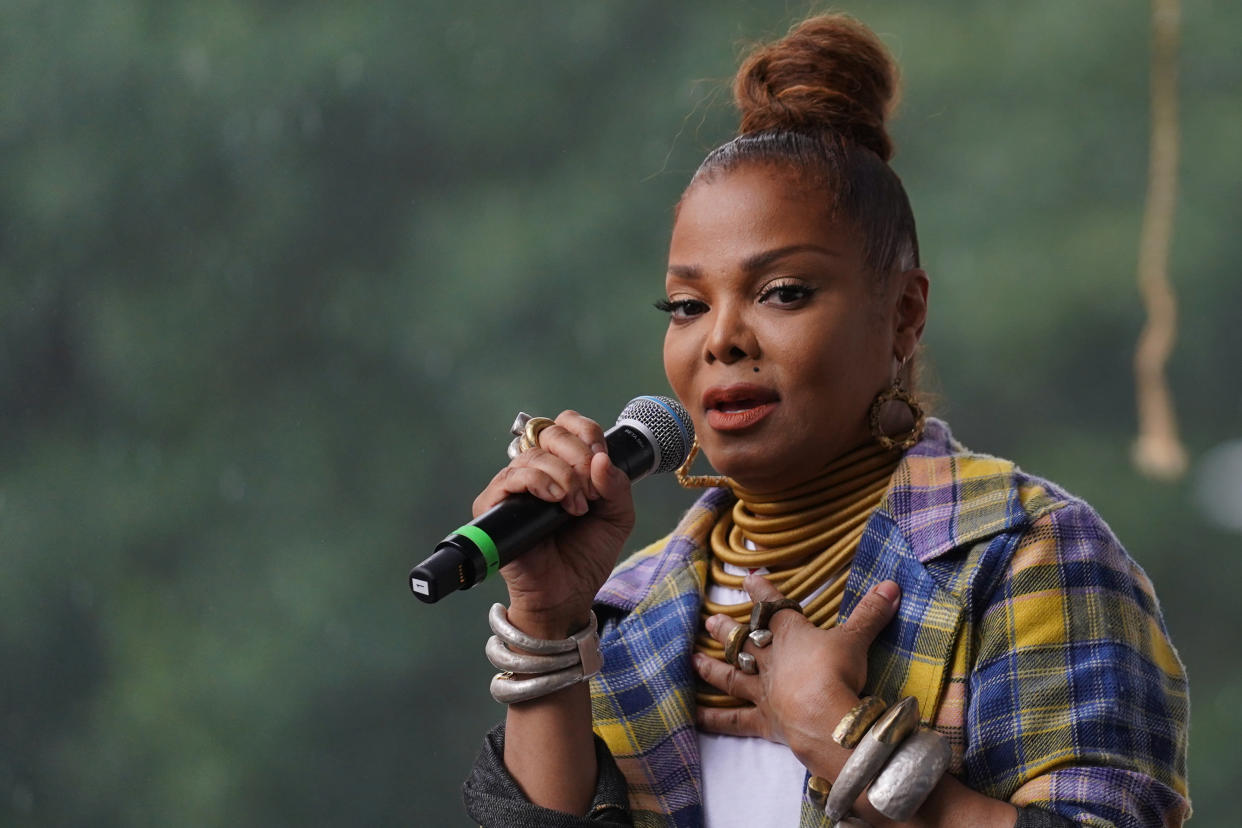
(608, 480)
(874, 611)
(614, 487)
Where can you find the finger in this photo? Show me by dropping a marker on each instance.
(544, 476)
(727, 679)
(570, 477)
(760, 588)
(719, 627)
(874, 611)
(733, 721)
(586, 429)
(568, 446)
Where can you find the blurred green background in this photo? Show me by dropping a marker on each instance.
(275, 276)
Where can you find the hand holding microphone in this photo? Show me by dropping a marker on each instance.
(567, 499)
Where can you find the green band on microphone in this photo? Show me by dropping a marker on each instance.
(485, 544)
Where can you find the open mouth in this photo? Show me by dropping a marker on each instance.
(736, 407)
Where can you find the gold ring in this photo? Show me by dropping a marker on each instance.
(855, 723)
(733, 644)
(900, 721)
(530, 433)
(817, 790)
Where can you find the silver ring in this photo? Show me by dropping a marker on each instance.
(519, 424)
(747, 664)
(515, 448)
(760, 638)
(517, 429)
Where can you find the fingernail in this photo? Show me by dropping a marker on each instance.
(699, 660)
(581, 500)
(888, 590)
(556, 491)
(599, 448)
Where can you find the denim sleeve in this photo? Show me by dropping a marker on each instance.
(494, 800)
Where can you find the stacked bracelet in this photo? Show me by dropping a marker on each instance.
(873, 749)
(548, 665)
(911, 773)
(900, 762)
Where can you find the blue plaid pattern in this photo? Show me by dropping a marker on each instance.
(1029, 637)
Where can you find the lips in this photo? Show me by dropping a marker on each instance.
(738, 407)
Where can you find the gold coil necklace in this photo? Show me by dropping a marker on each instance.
(805, 537)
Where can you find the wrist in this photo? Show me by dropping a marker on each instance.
(550, 622)
(814, 745)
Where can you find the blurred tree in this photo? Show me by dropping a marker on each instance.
(267, 271)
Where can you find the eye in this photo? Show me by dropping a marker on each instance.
(785, 294)
(681, 308)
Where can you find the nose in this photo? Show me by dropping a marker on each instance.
(731, 339)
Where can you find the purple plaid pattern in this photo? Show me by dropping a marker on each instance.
(1030, 638)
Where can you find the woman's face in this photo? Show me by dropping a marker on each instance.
(779, 337)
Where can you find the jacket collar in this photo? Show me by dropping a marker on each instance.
(942, 496)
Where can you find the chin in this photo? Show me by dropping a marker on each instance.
(767, 465)
(755, 466)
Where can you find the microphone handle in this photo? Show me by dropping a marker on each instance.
(514, 526)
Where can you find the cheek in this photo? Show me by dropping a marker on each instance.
(678, 359)
(838, 371)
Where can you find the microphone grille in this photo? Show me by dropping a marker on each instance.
(669, 421)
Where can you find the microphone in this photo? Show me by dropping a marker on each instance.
(652, 435)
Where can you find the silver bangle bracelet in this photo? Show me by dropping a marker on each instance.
(502, 658)
(507, 690)
(862, 766)
(869, 757)
(498, 619)
(549, 665)
(911, 773)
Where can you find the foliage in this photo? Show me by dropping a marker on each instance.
(269, 270)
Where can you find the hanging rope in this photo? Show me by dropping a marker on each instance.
(1158, 451)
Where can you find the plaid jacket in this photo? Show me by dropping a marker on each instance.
(1029, 637)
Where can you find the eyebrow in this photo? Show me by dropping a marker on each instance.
(758, 261)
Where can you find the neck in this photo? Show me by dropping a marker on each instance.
(851, 464)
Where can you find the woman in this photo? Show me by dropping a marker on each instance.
(1027, 638)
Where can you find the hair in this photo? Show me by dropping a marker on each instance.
(816, 101)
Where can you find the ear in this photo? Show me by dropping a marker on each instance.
(911, 310)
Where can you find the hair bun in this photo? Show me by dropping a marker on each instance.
(829, 73)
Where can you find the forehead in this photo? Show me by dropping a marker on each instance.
(745, 211)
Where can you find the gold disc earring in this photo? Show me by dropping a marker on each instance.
(897, 393)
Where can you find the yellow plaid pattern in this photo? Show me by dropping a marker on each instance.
(1029, 637)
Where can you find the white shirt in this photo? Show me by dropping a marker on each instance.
(748, 781)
